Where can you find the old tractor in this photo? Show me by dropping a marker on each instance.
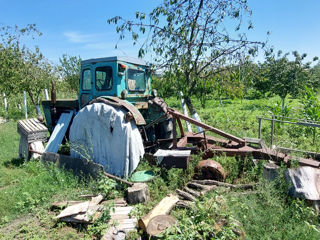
(121, 84)
(117, 81)
(117, 117)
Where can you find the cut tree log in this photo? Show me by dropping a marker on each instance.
(159, 224)
(185, 195)
(138, 193)
(162, 208)
(183, 204)
(197, 186)
(192, 192)
(222, 184)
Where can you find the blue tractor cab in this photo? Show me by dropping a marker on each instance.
(121, 82)
(123, 77)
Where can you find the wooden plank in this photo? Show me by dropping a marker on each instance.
(33, 124)
(59, 132)
(43, 127)
(74, 209)
(81, 212)
(119, 216)
(26, 122)
(24, 126)
(63, 204)
(120, 210)
(38, 125)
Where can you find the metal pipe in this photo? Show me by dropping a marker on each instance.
(177, 114)
(297, 123)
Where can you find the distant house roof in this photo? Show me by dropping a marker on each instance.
(132, 60)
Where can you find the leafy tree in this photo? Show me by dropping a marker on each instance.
(189, 39)
(228, 84)
(22, 69)
(286, 77)
(69, 70)
(316, 74)
(34, 76)
(311, 109)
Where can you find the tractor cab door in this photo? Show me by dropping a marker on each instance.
(105, 83)
(86, 84)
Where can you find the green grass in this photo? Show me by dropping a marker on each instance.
(28, 188)
(240, 119)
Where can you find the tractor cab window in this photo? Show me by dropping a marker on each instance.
(86, 79)
(136, 80)
(103, 78)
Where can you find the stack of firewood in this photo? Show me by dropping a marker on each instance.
(158, 219)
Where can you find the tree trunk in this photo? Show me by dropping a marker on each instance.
(190, 105)
(38, 110)
(283, 99)
(35, 103)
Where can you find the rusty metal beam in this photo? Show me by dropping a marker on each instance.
(177, 114)
(180, 127)
(258, 153)
(174, 142)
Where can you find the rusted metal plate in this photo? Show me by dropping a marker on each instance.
(259, 154)
(138, 118)
(209, 169)
(141, 105)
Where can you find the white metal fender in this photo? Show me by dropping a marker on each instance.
(100, 133)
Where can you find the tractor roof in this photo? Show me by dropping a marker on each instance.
(132, 60)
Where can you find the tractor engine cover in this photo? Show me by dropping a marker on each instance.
(99, 132)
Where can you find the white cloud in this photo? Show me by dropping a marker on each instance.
(77, 37)
(93, 45)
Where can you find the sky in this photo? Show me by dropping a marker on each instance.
(80, 28)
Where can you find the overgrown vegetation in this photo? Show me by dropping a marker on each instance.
(30, 188)
(219, 78)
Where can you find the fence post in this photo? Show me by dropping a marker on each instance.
(25, 104)
(5, 102)
(259, 130)
(46, 95)
(272, 129)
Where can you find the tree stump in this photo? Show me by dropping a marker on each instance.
(159, 224)
(270, 171)
(138, 193)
